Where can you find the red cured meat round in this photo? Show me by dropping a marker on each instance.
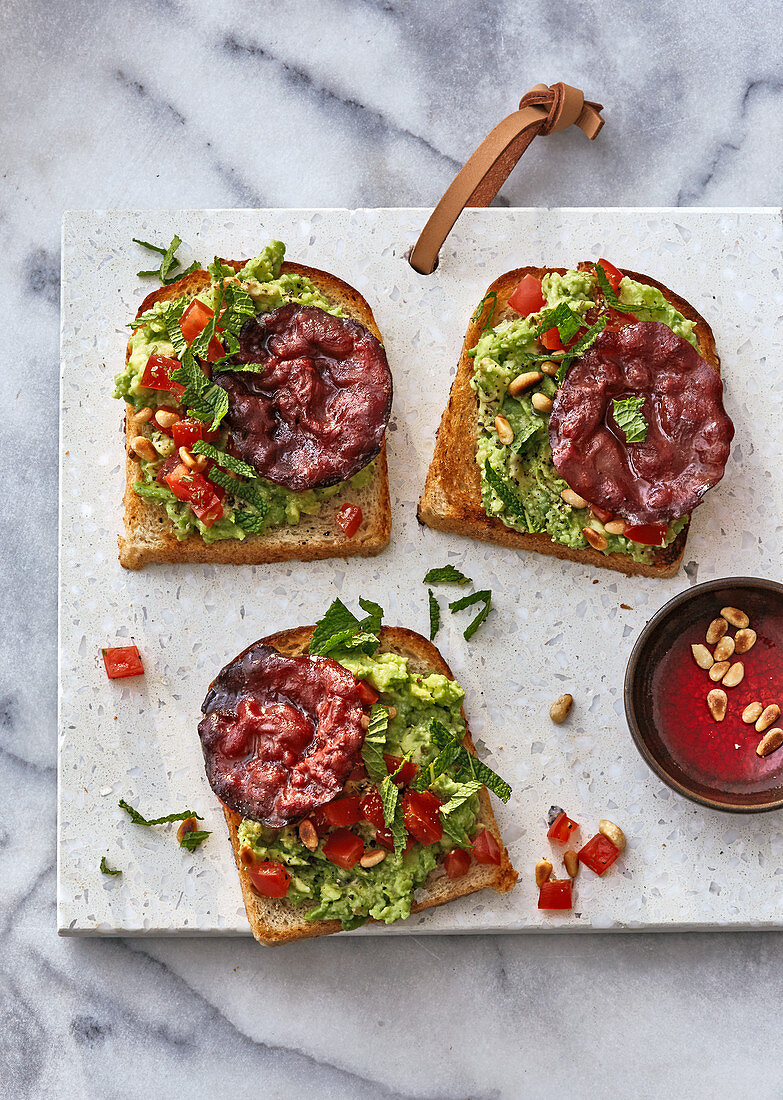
(280, 734)
(316, 415)
(688, 434)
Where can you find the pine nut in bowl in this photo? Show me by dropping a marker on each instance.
(701, 737)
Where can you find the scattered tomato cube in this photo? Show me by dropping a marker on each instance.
(421, 813)
(367, 694)
(406, 772)
(344, 848)
(121, 661)
(555, 894)
(613, 274)
(527, 297)
(599, 853)
(561, 828)
(343, 811)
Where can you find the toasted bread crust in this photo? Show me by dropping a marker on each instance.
(451, 500)
(149, 535)
(274, 921)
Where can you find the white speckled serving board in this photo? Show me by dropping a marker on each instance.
(556, 626)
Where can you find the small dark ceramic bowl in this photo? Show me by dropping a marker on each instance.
(760, 599)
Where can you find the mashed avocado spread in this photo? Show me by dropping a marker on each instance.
(273, 505)
(526, 464)
(386, 891)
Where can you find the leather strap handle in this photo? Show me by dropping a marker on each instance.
(541, 111)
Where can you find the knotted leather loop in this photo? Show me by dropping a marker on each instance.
(541, 111)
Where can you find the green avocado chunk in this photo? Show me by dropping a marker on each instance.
(526, 465)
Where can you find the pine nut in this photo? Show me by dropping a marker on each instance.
(373, 858)
(308, 835)
(550, 367)
(392, 712)
(189, 825)
(717, 701)
(144, 415)
(364, 721)
(572, 498)
(724, 649)
(718, 671)
(771, 740)
(734, 676)
(194, 462)
(558, 712)
(702, 656)
(595, 538)
(246, 855)
(524, 382)
(571, 862)
(751, 712)
(504, 430)
(165, 418)
(736, 617)
(716, 630)
(769, 715)
(144, 449)
(612, 832)
(615, 527)
(541, 403)
(744, 640)
(543, 872)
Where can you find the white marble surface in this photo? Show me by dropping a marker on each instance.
(351, 104)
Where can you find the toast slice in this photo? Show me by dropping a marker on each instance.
(149, 535)
(274, 921)
(452, 493)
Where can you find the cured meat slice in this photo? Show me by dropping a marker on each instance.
(316, 415)
(688, 435)
(280, 734)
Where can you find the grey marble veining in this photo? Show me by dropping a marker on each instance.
(349, 104)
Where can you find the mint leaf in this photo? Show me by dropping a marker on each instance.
(630, 421)
(563, 318)
(491, 296)
(227, 461)
(168, 263)
(434, 614)
(485, 597)
(392, 809)
(106, 869)
(339, 626)
(191, 841)
(202, 398)
(510, 498)
(586, 340)
(466, 790)
(239, 308)
(251, 522)
(468, 766)
(372, 624)
(221, 368)
(218, 270)
(526, 433)
(171, 320)
(151, 247)
(375, 743)
(244, 490)
(200, 346)
(137, 818)
(447, 574)
(426, 775)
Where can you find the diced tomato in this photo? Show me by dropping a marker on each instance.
(215, 350)
(270, 879)
(122, 661)
(457, 863)
(343, 811)
(406, 772)
(421, 813)
(613, 274)
(649, 534)
(195, 490)
(187, 432)
(368, 695)
(485, 848)
(343, 848)
(195, 319)
(349, 518)
(166, 467)
(551, 340)
(527, 297)
(372, 808)
(601, 513)
(599, 853)
(561, 828)
(555, 894)
(156, 375)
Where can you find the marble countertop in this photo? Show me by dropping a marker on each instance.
(349, 104)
